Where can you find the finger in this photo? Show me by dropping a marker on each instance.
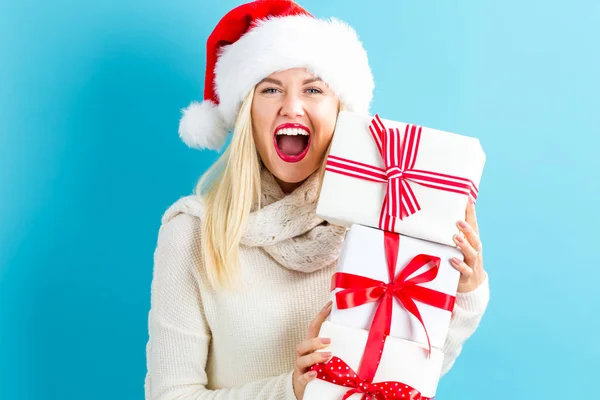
(470, 234)
(310, 345)
(471, 215)
(315, 324)
(307, 377)
(463, 244)
(311, 359)
(465, 271)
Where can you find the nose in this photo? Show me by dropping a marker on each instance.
(292, 106)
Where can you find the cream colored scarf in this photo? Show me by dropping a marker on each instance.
(287, 228)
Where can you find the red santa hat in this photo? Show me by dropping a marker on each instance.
(259, 38)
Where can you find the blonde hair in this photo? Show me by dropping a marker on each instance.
(228, 191)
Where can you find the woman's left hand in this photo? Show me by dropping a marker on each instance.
(471, 269)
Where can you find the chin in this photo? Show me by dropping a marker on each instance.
(292, 172)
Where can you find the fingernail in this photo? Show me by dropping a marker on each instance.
(312, 374)
(458, 238)
(463, 224)
(325, 340)
(471, 201)
(325, 355)
(328, 305)
(454, 261)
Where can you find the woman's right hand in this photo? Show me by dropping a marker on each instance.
(306, 356)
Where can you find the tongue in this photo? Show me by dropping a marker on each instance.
(291, 145)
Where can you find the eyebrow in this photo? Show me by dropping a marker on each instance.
(271, 80)
(311, 80)
(278, 82)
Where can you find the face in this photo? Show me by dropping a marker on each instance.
(293, 118)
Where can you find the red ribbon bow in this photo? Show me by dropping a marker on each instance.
(336, 371)
(399, 157)
(359, 290)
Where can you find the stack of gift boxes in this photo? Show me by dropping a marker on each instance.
(400, 189)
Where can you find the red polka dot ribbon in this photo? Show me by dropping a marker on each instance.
(399, 157)
(359, 290)
(336, 371)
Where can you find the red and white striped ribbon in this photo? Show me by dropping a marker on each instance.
(399, 157)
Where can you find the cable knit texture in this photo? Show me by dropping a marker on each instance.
(207, 344)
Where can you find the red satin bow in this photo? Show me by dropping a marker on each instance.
(336, 371)
(359, 290)
(399, 157)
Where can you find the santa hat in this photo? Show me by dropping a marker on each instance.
(259, 38)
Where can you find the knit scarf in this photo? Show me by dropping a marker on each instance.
(287, 228)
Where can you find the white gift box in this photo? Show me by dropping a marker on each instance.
(363, 253)
(345, 200)
(402, 361)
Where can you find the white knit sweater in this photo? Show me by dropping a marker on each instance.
(206, 344)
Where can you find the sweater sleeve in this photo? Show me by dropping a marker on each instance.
(179, 336)
(467, 313)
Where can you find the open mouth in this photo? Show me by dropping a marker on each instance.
(292, 141)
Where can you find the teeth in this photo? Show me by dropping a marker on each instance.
(292, 132)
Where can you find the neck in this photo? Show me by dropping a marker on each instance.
(288, 187)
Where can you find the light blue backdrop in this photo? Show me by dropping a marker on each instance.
(90, 94)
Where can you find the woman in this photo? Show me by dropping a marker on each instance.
(243, 267)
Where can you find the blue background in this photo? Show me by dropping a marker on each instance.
(90, 94)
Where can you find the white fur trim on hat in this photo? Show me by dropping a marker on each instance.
(202, 126)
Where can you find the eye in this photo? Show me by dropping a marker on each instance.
(269, 90)
(314, 90)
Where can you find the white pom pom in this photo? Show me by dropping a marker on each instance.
(202, 126)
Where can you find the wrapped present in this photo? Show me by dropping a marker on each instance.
(410, 281)
(399, 177)
(405, 370)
